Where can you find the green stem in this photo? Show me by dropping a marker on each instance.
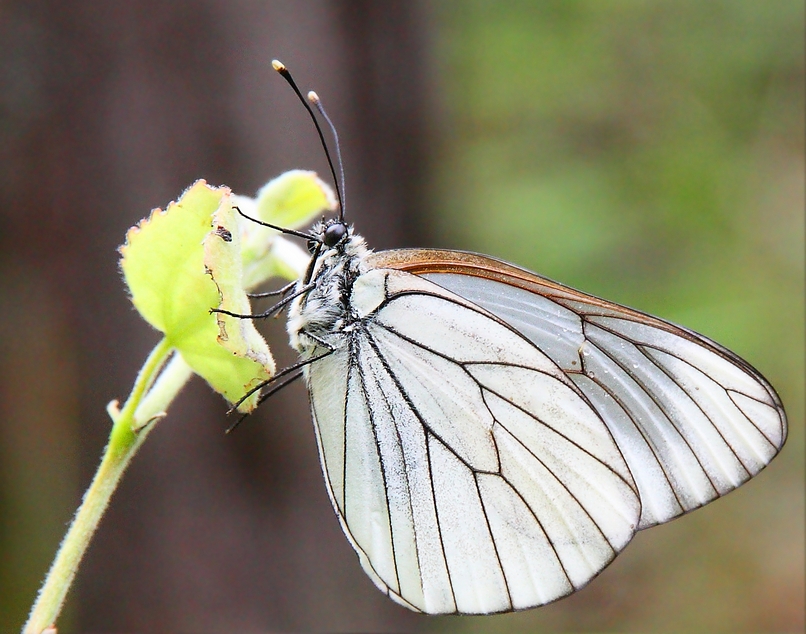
(128, 433)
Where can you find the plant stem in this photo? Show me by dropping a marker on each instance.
(130, 428)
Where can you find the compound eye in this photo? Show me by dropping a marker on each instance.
(334, 234)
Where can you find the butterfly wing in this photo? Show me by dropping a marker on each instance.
(692, 419)
(470, 474)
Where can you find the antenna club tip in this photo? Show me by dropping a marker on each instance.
(277, 65)
(313, 97)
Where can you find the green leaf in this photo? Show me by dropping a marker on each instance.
(294, 199)
(169, 261)
(291, 200)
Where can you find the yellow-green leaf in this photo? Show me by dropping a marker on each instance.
(294, 199)
(167, 269)
(290, 201)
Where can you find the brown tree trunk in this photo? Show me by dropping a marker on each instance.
(111, 109)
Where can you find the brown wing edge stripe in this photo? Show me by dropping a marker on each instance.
(424, 261)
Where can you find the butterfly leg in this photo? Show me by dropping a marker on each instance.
(276, 383)
(271, 311)
(281, 291)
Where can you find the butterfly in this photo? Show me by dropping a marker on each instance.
(491, 439)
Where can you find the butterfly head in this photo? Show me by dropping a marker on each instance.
(334, 248)
(332, 234)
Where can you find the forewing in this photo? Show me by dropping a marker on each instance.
(474, 477)
(693, 420)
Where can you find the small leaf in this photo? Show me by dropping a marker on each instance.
(166, 262)
(287, 259)
(291, 200)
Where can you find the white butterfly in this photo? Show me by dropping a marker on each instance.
(491, 439)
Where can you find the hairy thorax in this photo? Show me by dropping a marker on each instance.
(319, 317)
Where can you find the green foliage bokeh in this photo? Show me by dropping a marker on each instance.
(651, 153)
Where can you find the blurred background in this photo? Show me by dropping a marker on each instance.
(648, 152)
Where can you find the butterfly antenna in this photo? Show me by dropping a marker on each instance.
(314, 99)
(280, 68)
